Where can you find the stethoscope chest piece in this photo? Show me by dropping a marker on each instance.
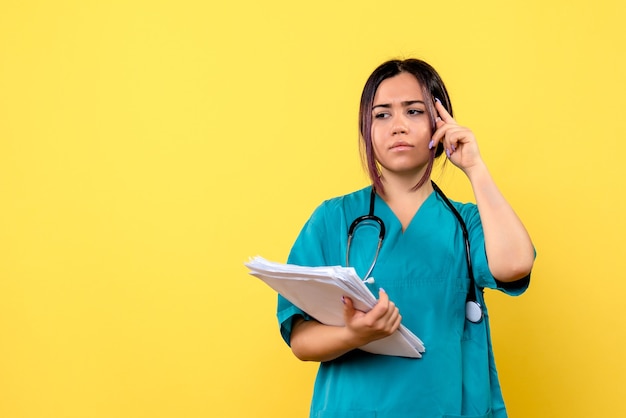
(473, 311)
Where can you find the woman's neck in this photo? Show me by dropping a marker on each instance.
(403, 201)
(400, 188)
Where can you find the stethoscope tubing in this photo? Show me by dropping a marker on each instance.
(473, 310)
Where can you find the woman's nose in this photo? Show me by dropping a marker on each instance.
(399, 126)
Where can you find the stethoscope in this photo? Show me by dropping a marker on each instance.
(473, 310)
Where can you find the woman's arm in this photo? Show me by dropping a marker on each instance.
(313, 341)
(510, 252)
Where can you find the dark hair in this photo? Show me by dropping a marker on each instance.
(432, 87)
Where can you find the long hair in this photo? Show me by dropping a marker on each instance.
(432, 87)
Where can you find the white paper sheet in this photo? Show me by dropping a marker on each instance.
(318, 291)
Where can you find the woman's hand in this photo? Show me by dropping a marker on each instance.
(314, 341)
(380, 322)
(459, 142)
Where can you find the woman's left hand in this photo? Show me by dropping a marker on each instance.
(459, 142)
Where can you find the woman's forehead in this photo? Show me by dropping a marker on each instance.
(400, 88)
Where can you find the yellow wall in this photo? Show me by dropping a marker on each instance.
(148, 148)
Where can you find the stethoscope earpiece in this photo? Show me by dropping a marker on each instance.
(369, 280)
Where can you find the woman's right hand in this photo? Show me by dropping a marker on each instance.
(380, 322)
(314, 341)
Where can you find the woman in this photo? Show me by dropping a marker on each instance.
(405, 123)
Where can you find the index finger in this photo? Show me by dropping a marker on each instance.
(443, 113)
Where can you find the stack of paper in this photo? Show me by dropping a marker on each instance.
(318, 292)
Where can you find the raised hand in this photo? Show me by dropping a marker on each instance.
(458, 141)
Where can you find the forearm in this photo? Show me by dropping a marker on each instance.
(313, 341)
(510, 252)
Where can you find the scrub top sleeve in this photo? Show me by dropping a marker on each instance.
(480, 264)
(286, 313)
(306, 251)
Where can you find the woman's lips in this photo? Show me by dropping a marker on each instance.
(401, 146)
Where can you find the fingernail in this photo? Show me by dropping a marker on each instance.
(453, 148)
(382, 290)
(437, 100)
(438, 119)
(343, 300)
(431, 144)
(448, 152)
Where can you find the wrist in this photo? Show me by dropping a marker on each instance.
(352, 339)
(477, 172)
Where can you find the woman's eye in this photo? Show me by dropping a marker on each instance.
(415, 112)
(381, 115)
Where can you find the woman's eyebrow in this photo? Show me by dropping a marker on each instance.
(405, 103)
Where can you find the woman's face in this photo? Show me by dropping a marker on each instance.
(401, 127)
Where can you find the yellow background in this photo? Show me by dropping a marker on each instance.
(148, 148)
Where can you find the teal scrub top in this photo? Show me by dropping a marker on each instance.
(424, 271)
